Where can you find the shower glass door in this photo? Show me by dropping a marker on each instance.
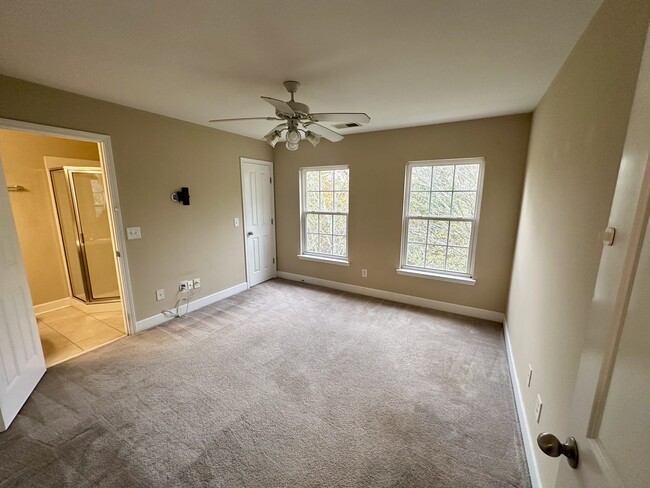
(83, 216)
(92, 214)
(71, 244)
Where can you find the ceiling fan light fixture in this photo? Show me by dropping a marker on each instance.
(293, 136)
(292, 146)
(272, 138)
(312, 137)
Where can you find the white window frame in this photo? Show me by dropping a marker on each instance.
(311, 256)
(443, 275)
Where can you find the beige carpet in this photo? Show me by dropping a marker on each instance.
(285, 385)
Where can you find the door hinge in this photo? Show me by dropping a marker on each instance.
(273, 260)
(271, 180)
(117, 253)
(271, 221)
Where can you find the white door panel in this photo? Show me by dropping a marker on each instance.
(21, 356)
(257, 188)
(609, 417)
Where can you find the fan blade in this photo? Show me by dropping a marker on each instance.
(278, 127)
(328, 134)
(280, 106)
(244, 118)
(358, 118)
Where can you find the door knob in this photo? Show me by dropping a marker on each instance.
(249, 233)
(551, 446)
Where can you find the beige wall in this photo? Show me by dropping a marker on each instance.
(575, 149)
(22, 158)
(377, 162)
(154, 156)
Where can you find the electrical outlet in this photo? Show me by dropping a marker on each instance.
(133, 233)
(160, 295)
(364, 273)
(182, 286)
(538, 408)
(530, 375)
(197, 283)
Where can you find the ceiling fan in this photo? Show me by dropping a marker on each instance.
(300, 124)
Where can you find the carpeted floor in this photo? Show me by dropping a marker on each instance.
(285, 385)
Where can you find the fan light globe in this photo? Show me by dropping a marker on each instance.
(272, 138)
(313, 138)
(292, 146)
(293, 136)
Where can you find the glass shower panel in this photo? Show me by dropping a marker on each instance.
(69, 233)
(95, 234)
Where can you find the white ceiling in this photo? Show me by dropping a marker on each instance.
(405, 63)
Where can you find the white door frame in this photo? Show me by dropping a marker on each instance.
(115, 217)
(242, 161)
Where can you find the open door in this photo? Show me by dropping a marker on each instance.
(21, 357)
(609, 417)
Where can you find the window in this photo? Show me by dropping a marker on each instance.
(324, 213)
(441, 210)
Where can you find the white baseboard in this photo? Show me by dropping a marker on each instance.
(529, 442)
(398, 297)
(50, 306)
(161, 318)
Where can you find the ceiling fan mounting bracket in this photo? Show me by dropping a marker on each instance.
(292, 87)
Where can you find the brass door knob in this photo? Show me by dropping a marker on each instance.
(551, 446)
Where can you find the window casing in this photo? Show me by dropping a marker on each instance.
(324, 208)
(441, 214)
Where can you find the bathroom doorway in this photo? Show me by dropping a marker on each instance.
(61, 206)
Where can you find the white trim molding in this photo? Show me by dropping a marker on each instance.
(529, 442)
(161, 318)
(463, 280)
(322, 259)
(478, 313)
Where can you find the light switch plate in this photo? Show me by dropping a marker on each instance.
(160, 295)
(236, 221)
(133, 233)
(538, 408)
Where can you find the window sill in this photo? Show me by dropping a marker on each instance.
(463, 280)
(321, 259)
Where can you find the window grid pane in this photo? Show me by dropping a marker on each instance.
(440, 216)
(326, 205)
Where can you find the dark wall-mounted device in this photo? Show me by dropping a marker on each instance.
(182, 196)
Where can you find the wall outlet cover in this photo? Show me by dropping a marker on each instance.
(160, 295)
(133, 233)
(197, 283)
(364, 273)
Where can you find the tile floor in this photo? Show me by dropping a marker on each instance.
(68, 332)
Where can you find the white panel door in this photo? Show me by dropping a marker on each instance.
(259, 220)
(21, 357)
(611, 401)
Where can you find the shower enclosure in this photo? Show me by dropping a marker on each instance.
(82, 211)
